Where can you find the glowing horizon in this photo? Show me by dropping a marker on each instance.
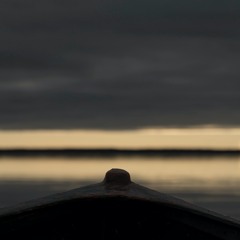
(201, 138)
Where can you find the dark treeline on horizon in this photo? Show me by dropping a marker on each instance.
(117, 152)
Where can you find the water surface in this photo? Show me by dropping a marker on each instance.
(213, 183)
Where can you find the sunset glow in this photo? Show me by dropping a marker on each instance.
(207, 138)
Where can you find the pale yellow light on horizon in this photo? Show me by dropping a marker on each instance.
(214, 138)
(171, 170)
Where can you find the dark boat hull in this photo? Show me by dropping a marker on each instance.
(114, 210)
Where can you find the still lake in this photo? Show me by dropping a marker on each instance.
(210, 182)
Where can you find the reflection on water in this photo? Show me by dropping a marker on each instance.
(211, 183)
(157, 172)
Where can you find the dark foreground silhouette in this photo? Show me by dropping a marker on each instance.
(116, 208)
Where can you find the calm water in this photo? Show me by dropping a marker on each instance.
(213, 183)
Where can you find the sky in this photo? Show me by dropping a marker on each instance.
(119, 65)
(197, 138)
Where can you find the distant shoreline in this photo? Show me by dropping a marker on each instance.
(117, 152)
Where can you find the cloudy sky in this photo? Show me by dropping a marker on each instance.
(119, 65)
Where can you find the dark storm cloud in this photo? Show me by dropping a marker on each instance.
(119, 64)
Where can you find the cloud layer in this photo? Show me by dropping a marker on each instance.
(119, 65)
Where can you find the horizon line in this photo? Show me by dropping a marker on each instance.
(116, 152)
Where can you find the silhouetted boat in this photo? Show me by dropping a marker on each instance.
(116, 208)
